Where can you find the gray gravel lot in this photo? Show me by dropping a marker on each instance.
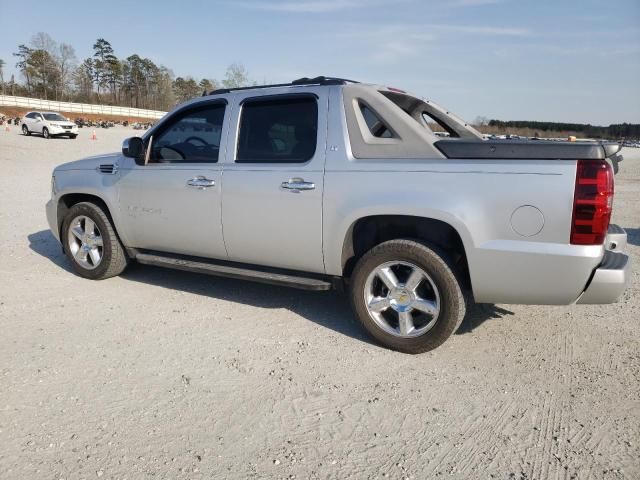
(167, 374)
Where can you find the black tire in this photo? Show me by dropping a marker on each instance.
(73, 137)
(45, 133)
(25, 130)
(434, 263)
(114, 259)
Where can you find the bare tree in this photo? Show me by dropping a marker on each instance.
(481, 121)
(236, 76)
(52, 70)
(45, 59)
(2, 64)
(67, 62)
(43, 41)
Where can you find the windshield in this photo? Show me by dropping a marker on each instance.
(54, 117)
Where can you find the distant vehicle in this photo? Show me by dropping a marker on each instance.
(48, 124)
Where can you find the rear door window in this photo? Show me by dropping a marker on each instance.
(278, 130)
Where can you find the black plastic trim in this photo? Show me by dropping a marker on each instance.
(321, 80)
(523, 150)
(615, 229)
(613, 261)
(260, 274)
(279, 96)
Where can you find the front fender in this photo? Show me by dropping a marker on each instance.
(90, 184)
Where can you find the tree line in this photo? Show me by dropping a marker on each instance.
(620, 130)
(50, 70)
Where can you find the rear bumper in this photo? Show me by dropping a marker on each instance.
(610, 279)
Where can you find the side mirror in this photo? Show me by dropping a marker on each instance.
(133, 147)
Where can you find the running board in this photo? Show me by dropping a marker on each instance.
(216, 269)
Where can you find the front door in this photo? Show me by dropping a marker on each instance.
(172, 204)
(272, 195)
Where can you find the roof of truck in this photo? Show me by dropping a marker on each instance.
(321, 80)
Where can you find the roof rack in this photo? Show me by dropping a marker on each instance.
(321, 80)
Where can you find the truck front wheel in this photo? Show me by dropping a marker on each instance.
(407, 296)
(91, 243)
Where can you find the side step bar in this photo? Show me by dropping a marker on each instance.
(226, 270)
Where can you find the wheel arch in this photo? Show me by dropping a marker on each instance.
(369, 231)
(68, 200)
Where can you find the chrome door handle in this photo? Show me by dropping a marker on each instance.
(201, 182)
(295, 185)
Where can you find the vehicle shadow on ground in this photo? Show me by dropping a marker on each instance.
(633, 235)
(328, 309)
(45, 244)
(479, 313)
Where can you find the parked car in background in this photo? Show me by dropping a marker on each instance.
(48, 124)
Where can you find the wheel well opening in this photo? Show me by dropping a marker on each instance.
(368, 232)
(69, 200)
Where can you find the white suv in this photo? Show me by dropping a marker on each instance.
(48, 124)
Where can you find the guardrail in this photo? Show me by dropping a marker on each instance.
(69, 107)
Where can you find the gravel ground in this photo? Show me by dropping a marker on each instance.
(167, 374)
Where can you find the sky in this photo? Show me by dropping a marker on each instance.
(562, 60)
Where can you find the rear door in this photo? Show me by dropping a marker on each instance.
(274, 178)
(30, 120)
(172, 204)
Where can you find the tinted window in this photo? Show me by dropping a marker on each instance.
(191, 137)
(31, 115)
(278, 131)
(376, 126)
(53, 117)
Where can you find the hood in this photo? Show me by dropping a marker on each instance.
(90, 163)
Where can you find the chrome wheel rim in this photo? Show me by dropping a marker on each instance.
(85, 242)
(24, 129)
(402, 299)
(45, 133)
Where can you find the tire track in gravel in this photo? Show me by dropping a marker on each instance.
(481, 437)
(543, 458)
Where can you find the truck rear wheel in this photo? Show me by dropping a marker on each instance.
(406, 295)
(91, 243)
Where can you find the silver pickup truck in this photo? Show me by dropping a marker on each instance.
(327, 183)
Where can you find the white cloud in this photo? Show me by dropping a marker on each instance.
(473, 3)
(387, 44)
(326, 6)
(303, 6)
(395, 43)
(483, 30)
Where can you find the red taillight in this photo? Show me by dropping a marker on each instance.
(592, 202)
